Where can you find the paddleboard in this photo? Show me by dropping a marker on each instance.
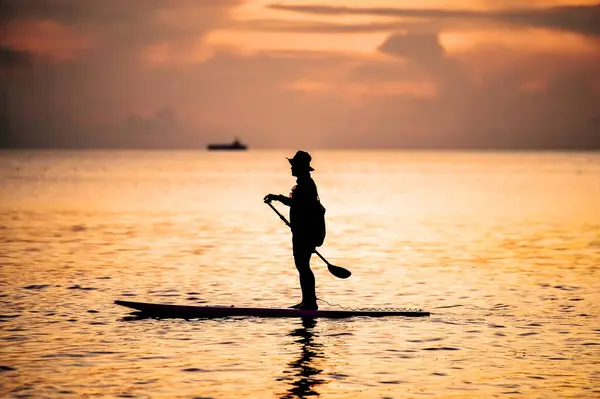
(192, 312)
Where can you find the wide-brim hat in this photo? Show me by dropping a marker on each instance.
(301, 159)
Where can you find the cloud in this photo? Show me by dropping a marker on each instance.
(424, 52)
(101, 75)
(10, 58)
(230, 94)
(412, 94)
(46, 39)
(421, 47)
(162, 122)
(116, 13)
(274, 25)
(581, 19)
(249, 96)
(122, 26)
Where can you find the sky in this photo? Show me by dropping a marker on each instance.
(462, 74)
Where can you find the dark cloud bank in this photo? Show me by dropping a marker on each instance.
(581, 19)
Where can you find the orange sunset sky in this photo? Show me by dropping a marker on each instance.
(329, 74)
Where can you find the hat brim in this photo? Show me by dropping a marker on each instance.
(292, 162)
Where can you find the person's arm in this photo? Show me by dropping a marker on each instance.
(281, 198)
(284, 200)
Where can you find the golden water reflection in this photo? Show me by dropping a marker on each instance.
(303, 373)
(503, 248)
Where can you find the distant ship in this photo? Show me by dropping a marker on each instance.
(235, 146)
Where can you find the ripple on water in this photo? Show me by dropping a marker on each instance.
(26, 387)
(77, 228)
(338, 376)
(424, 340)
(504, 292)
(151, 381)
(60, 355)
(196, 370)
(78, 287)
(566, 287)
(441, 348)
(37, 286)
(15, 338)
(342, 334)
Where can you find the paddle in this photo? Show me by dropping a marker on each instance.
(337, 271)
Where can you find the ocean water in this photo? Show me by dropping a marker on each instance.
(502, 248)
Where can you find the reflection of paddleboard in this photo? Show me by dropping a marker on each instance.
(191, 312)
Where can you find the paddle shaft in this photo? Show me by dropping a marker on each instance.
(337, 271)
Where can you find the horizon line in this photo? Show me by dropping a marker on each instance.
(288, 148)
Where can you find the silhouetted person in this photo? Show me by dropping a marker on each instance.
(303, 200)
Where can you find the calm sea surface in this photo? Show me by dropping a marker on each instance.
(502, 248)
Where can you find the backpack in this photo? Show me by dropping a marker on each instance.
(318, 229)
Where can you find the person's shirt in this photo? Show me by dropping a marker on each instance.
(302, 201)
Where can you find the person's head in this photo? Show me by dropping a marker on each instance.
(301, 163)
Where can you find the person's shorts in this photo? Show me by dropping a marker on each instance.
(302, 246)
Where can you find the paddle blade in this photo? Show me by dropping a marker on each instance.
(339, 272)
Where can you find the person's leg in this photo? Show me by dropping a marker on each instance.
(302, 254)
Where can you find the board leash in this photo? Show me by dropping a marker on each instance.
(367, 309)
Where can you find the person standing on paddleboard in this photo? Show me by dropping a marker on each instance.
(303, 201)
